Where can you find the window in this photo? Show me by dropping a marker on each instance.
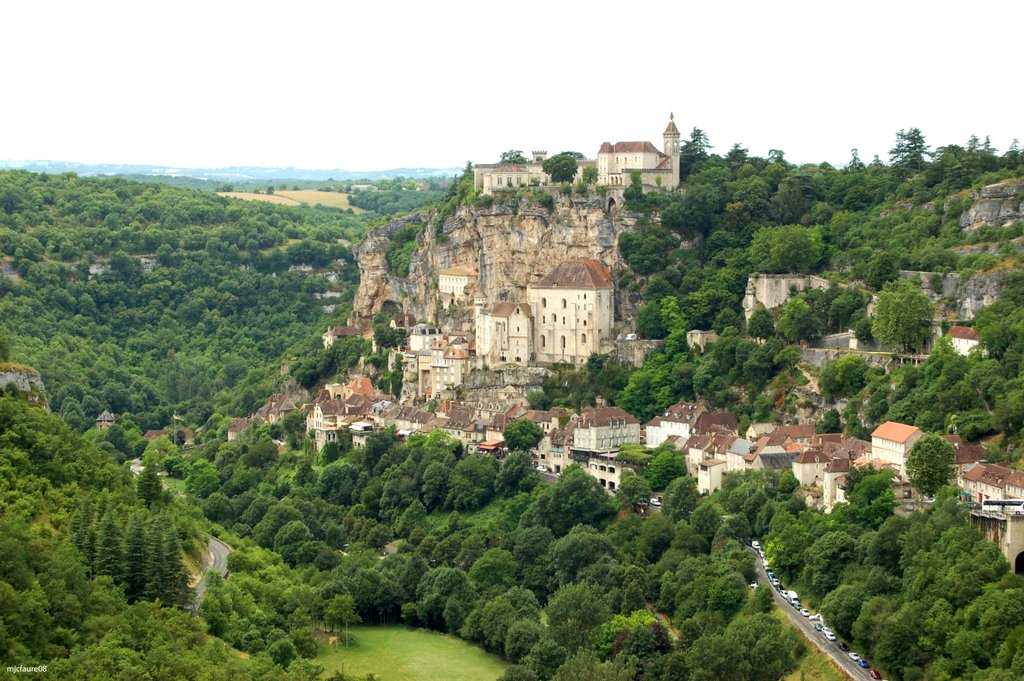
(543, 319)
(543, 302)
(563, 319)
(563, 342)
(563, 303)
(583, 338)
(584, 322)
(542, 339)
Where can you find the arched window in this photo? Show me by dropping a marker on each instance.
(583, 338)
(542, 341)
(543, 319)
(543, 302)
(584, 322)
(563, 303)
(563, 342)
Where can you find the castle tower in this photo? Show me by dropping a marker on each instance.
(671, 137)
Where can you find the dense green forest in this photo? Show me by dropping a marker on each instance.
(201, 325)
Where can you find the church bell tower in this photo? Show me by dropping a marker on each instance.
(671, 137)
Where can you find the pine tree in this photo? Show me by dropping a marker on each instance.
(175, 577)
(82, 534)
(153, 559)
(109, 551)
(148, 486)
(135, 559)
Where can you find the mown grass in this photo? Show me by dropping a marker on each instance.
(400, 654)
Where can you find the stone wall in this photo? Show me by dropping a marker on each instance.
(634, 352)
(774, 290)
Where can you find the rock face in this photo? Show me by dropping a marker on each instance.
(510, 245)
(995, 205)
(27, 381)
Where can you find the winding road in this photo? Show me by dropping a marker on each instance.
(840, 658)
(216, 558)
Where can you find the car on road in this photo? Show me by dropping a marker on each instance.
(815, 617)
(805, 612)
(654, 501)
(756, 545)
(817, 626)
(854, 656)
(875, 674)
(830, 636)
(843, 646)
(863, 663)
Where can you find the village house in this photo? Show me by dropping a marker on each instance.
(965, 454)
(274, 409)
(423, 337)
(709, 475)
(105, 420)
(985, 481)
(891, 442)
(679, 419)
(236, 427)
(463, 425)
(336, 332)
(455, 284)
(809, 467)
(964, 339)
(402, 320)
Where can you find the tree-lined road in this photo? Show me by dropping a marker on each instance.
(839, 657)
(216, 558)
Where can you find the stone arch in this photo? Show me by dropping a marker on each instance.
(390, 307)
(1018, 564)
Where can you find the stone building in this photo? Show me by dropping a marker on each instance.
(616, 162)
(573, 310)
(891, 442)
(454, 284)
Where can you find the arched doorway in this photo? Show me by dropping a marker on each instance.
(1018, 564)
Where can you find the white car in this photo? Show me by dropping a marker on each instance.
(753, 585)
(855, 657)
(829, 635)
(653, 501)
(542, 469)
(804, 612)
(815, 617)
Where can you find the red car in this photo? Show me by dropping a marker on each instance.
(875, 674)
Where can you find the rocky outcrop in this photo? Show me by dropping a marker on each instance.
(25, 381)
(995, 205)
(510, 244)
(773, 290)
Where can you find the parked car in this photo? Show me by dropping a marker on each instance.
(753, 585)
(863, 663)
(854, 656)
(830, 636)
(756, 545)
(542, 469)
(817, 626)
(815, 617)
(804, 612)
(654, 501)
(843, 646)
(875, 674)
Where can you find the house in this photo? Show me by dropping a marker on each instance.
(709, 475)
(834, 484)
(236, 427)
(336, 332)
(463, 425)
(274, 409)
(965, 454)
(983, 481)
(809, 467)
(105, 420)
(964, 339)
(360, 431)
(680, 419)
(798, 433)
(617, 162)
(455, 284)
(423, 337)
(698, 339)
(605, 429)
(554, 449)
(891, 442)
(504, 333)
(359, 385)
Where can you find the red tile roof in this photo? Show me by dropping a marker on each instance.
(897, 432)
(506, 309)
(628, 148)
(604, 416)
(964, 332)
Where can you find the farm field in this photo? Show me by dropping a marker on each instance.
(312, 197)
(398, 654)
(251, 196)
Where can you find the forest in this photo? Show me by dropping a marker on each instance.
(158, 302)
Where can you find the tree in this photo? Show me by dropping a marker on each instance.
(830, 422)
(522, 435)
(634, 489)
(930, 464)
(340, 611)
(573, 612)
(667, 465)
(515, 475)
(589, 175)
(786, 249)
(513, 157)
(148, 485)
(797, 321)
(561, 167)
(496, 568)
(472, 483)
(681, 497)
(761, 324)
(5, 347)
(902, 316)
(203, 479)
(109, 555)
(909, 153)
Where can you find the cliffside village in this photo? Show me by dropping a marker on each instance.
(565, 317)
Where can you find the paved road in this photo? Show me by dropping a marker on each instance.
(216, 558)
(841, 658)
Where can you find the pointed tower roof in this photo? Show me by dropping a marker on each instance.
(672, 129)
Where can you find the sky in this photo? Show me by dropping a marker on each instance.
(374, 85)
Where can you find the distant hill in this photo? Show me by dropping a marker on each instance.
(231, 173)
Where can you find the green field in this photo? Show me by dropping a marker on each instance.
(400, 654)
(814, 665)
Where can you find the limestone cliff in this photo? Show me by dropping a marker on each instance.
(510, 244)
(995, 205)
(24, 381)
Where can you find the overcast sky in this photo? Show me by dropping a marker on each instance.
(379, 84)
